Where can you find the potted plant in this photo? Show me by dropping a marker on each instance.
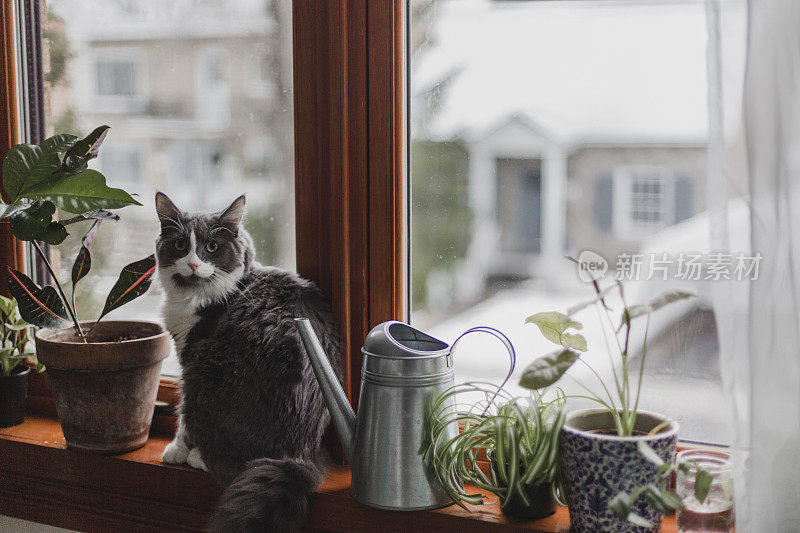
(519, 436)
(104, 375)
(17, 350)
(600, 448)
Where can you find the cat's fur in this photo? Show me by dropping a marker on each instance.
(252, 413)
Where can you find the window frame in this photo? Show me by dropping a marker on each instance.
(623, 177)
(349, 97)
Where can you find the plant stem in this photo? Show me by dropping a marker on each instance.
(641, 366)
(71, 312)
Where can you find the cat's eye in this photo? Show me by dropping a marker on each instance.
(180, 245)
(211, 246)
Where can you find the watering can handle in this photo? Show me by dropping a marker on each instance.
(512, 356)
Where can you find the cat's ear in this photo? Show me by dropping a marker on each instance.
(168, 213)
(232, 216)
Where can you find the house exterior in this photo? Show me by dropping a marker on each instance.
(199, 100)
(537, 195)
(585, 125)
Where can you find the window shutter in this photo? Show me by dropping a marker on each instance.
(604, 201)
(684, 198)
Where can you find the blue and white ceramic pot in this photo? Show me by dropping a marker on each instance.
(597, 464)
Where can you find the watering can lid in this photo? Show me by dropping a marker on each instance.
(395, 339)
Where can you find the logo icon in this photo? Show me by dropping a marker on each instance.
(591, 266)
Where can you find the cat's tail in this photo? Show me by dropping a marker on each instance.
(268, 495)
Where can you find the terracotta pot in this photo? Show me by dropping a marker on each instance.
(597, 464)
(105, 390)
(13, 389)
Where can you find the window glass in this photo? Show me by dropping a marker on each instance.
(545, 129)
(199, 99)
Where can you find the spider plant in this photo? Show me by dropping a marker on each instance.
(519, 434)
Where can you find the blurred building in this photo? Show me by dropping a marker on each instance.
(585, 126)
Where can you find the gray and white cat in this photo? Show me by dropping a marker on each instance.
(252, 413)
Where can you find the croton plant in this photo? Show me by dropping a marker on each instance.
(42, 182)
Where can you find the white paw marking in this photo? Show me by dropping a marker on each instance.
(176, 453)
(195, 461)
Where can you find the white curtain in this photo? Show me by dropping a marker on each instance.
(759, 321)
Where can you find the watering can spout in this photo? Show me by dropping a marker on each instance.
(342, 415)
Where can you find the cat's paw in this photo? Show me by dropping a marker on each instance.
(176, 453)
(195, 460)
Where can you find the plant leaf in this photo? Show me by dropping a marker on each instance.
(654, 498)
(84, 260)
(576, 341)
(134, 280)
(649, 453)
(671, 499)
(83, 192)
(702, 484)
(620, 505)
(24, 167)
(640, 521)
(6, 210)
(97, 214)
(58, 143)
(553, 324)
(40, 306)
(658, 302)
(35, 224)
(81, 152)
(546, 370)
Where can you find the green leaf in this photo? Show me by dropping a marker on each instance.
(620, 505)
(134, 280)
(702, 484)
(97, 214)
(6, 210)
(671, 499)
(84, 260)
(654, 498)
(83, 192)
(40, 306)
(26, 166)
(649, 453)
(553, 324)
(7, 305)
(548, 369)
(35, 224)
(640, 521)
(662, 300)
(81, 152)
(58, 143)
(576, 341)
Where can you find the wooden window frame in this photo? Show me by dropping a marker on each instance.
(350, 192)
(349, 150)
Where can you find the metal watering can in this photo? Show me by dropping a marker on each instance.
(403, 368)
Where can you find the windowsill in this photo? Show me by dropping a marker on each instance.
(47, 483)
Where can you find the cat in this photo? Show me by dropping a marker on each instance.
(252, 413)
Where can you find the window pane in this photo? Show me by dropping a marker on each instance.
(199, 99)
(541, 129)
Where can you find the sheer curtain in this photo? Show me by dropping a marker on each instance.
(759, 321)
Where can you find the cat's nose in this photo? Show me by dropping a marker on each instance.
(193, 266)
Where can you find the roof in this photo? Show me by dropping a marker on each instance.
(591, 71)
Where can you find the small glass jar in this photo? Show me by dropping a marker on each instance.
(715, 514)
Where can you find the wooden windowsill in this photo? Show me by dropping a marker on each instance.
(42, 481)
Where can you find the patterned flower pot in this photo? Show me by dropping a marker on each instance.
(597, 464)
